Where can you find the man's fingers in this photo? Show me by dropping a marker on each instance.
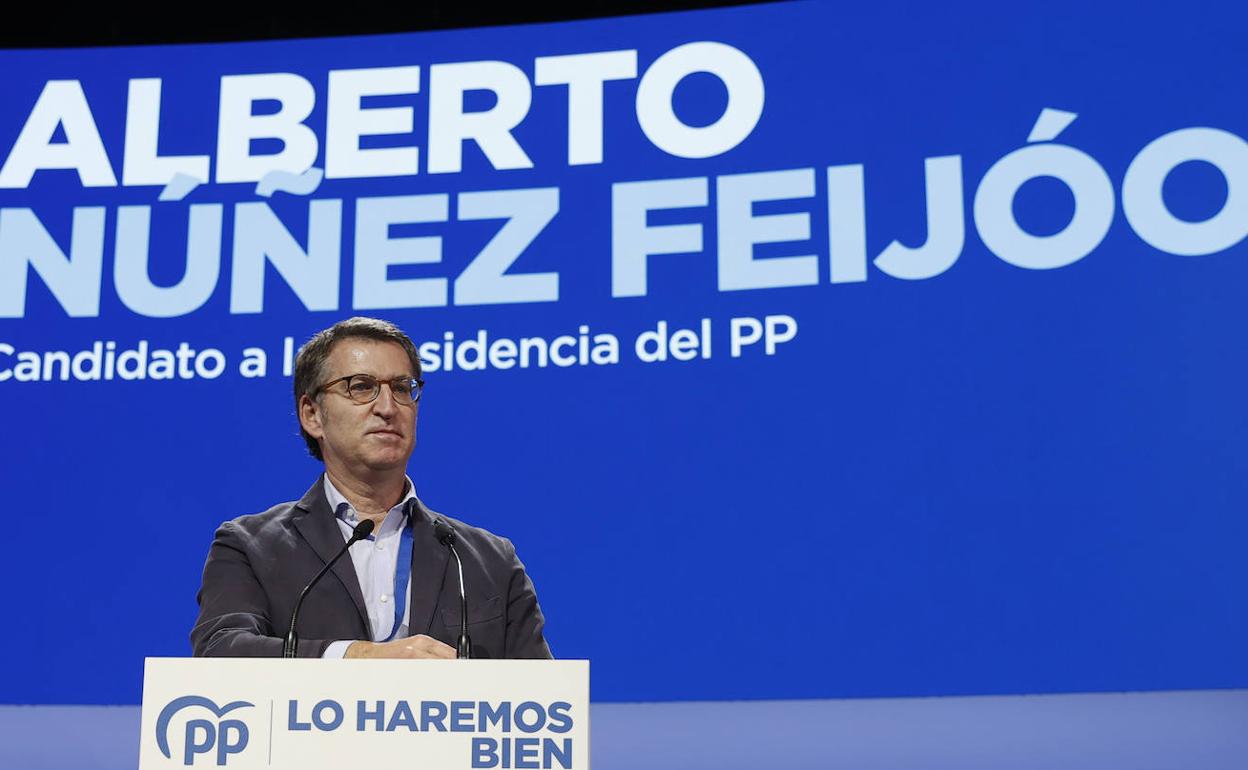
(435, 648)
(419, 646)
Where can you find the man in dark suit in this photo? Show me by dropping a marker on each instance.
(396, 594)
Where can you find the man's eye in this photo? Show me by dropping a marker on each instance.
(361, 386)
(402, 387)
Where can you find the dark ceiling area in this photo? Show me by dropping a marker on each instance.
(214, 24)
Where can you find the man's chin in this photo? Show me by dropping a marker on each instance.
(395, 459)
(379, 458)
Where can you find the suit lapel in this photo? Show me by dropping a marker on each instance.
(320, 529)
(429, 567)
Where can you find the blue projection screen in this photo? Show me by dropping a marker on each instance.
(804, 350)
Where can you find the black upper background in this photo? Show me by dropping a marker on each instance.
(65, 28)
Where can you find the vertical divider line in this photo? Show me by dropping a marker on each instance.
(270, 731)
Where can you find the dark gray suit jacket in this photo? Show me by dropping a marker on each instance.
(258, 564)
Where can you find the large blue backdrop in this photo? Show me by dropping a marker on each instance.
(970, 417)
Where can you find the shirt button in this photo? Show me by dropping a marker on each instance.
(381, 546)
(385, 598)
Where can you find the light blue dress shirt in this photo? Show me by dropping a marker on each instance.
(375, 560)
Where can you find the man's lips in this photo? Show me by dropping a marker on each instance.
(385, 432)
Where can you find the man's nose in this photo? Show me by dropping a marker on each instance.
(385, 402)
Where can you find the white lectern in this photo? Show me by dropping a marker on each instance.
(308, 714)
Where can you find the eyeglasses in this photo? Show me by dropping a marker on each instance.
(364, 388)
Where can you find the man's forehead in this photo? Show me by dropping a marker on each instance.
(369, 356)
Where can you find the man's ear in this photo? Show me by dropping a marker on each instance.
(310, 417)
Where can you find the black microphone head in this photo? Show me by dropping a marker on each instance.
(444, 532)
(363, 529)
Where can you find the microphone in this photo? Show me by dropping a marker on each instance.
(446, 536)
(290, 648)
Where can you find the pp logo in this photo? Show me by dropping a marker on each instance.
(204, 736)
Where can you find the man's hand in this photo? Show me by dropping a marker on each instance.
(419, 646)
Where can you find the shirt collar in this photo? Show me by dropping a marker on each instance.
(343, 509)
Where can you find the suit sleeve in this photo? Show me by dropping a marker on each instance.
(234, 615)
(524, 637)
